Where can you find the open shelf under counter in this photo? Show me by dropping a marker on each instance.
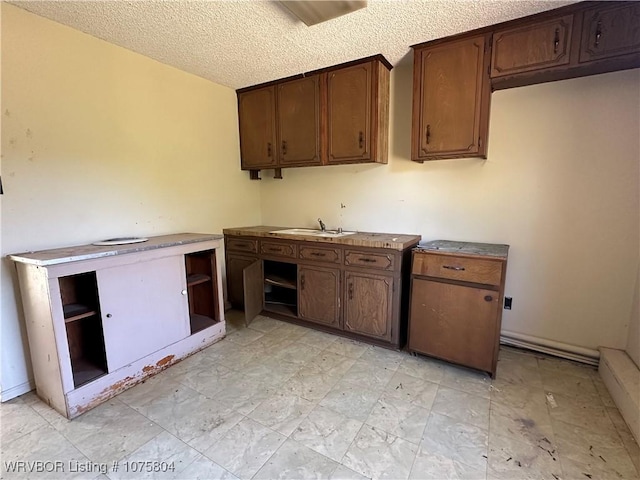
(77, 311)
(280, 281)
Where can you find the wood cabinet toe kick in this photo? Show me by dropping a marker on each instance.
(353, 290)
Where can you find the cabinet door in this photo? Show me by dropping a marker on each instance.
(610, 31)
(257, 117)
(455, 323)
(144, 308)
(368, 304)
(349, 93)
(451, 100)
(532, 47)
(299, 121)
(235, 284)
(319, 295)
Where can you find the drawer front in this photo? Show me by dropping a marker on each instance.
(278, 249)
(248, 245)
(327, 255)
(379, 261)
(474, 270)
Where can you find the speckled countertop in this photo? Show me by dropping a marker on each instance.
(87, 252)
(393, 241)
(466, 248)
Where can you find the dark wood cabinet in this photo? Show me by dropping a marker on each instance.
(610, 31)
(319, 295)
(457, 291)
(531, 47)
(451, 100)
(368, 304)
(359, 292)
(357, 114)
(257, 119)
(337, 115)
(299, 121)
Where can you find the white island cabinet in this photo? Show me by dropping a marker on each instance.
(102, 318)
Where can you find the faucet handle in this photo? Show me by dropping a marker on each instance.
(323, 227)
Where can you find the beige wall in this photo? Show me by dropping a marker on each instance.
(100, 142)
(560, 186)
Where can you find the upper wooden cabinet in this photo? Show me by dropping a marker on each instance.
(451, 100)
(257, 118)
(531, 47)
(453, 77)
(332, 116)
(610, 31)
(357, 107)
(299, 121)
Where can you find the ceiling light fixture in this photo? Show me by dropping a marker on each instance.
(312, 12)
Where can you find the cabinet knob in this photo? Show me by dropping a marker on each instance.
(183, 292)
(108, 315)
(488, 298)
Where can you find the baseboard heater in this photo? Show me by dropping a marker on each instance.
(550, 347)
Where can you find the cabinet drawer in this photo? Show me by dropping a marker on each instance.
(380, 261)
(278, 249)
(248, 245)
(328, 255)
(475, 270)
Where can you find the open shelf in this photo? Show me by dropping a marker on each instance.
(289, 310)
(277, 280)
(197, 279)
(77, 311)
(202, 289)
(80, 307)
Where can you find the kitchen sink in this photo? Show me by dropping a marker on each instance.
(313, 232)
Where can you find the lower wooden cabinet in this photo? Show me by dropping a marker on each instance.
(457, 290)
(369, 305)
(354, 291)
(319, 295)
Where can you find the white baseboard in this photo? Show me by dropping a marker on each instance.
(551, 347)
(18, 390)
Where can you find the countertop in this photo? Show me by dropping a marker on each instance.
(393, 241)
(87, 252)
(467, 249)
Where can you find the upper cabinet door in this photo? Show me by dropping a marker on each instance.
(610, 31)
(451, 100)
(299, 121)
(349, 92)
(257, 117)
(531, 47)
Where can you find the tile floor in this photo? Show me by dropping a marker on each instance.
(281, 401)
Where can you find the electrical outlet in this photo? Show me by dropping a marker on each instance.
(507, 303)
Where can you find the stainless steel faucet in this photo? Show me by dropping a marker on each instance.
(323, 227)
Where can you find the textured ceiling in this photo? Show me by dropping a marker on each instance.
(242, 43)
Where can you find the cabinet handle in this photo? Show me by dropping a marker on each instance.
(108, 315)
(302, 282)
(367, 260)
(428, 134)
(351, 291)
(556, 40)
(317, 254)
(269, 149)
(451, 267)
(183, 292)
(284, 147)
(361, 140)
(598, 34)
(488, 298)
